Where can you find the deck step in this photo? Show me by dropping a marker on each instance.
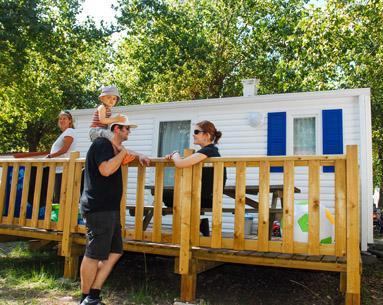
(332, 263)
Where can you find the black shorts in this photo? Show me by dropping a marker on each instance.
(103, 234)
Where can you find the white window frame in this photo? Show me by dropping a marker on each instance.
(156, 138)
(317, 114)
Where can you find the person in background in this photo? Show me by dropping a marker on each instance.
(61, 148)
(205, 135)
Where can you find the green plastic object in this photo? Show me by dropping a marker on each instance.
(55, 212)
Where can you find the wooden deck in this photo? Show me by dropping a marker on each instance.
(195, 253)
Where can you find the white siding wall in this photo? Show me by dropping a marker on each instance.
(230, 115)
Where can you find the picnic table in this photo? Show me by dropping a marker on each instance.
(229, 190)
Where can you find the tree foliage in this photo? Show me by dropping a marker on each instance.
(195, 49)
(48, 62)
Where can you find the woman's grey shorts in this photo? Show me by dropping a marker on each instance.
(103, 234)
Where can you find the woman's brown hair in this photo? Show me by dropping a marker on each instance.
(209, 128)
(68, 115)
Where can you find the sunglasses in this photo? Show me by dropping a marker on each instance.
(196, 131)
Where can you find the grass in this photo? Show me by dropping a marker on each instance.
(28, 277)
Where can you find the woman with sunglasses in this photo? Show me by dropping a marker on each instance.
(206, 136)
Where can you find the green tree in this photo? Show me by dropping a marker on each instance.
(195, 49)
(341, 46)
(48, 62)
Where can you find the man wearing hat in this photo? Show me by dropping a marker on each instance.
(100, 206)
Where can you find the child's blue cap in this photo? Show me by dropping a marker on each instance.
(110, 90)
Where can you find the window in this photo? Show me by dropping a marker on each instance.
(173, 135)
(304, 137)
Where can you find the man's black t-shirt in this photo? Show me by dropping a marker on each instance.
(100, 193)
(208, 174)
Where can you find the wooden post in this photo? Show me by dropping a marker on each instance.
(288, 207)
(51, 186)
(340, 208)
(24, 195)
(263, 218)
(196, 204)
(124, 171)
(313, 236)
(353, 229)
(240, 199)
(71, 262)
(12, 195)
(188, 274)
(158, 194)
(216, 241)
(188, 287)
(2, 188)
(139, 214)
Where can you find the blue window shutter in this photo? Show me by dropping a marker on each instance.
(276, 137)
(332, 124)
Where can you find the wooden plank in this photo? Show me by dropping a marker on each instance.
(75, 196)
(288, 207)
(2, 188)
(158, 194)
(340, 207)
(24, 195)
(263, 216)
(63, 194)
(314, 190)
(177, 205)
(124, 172)
(217, 205)
(185, 254)
(66, 237)
(188, 287)
(37, 196)
(298, 262)
(12, 195)
(50, 190)
(353, 222)
(196, 204)
(141, 175)
(240, 198)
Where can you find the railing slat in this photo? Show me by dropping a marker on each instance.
(288, 207)
(24, 195)
(2, 188)
(216, 240)
(63, 194)
(37, 195)
(264, 197)
(313, 235)
(340, 207)
(141, 175)
(196, 204)
(177, 206)
(67, 217)
(51, 187)
(12, 195)
(124, 172)
(240, 198)
(76, 196)
(158, 194)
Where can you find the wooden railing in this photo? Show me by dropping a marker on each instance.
(184, 234)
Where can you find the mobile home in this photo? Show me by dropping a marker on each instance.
(310, 123)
